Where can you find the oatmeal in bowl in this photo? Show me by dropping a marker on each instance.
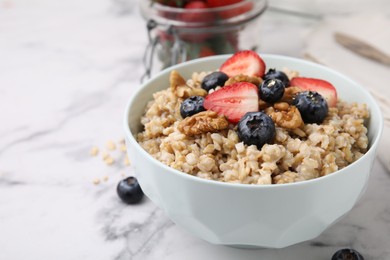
(258, 159)
(239, 124)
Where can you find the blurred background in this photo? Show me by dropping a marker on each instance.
(67, 71)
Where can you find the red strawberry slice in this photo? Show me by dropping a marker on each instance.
(206, 51)
(236, 11)
(244, 62)
(218, 3)
(326, 89)
(233, 11)
(196, 12)
(233, 101)
(197, 15)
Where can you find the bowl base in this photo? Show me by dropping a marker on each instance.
(246, 247)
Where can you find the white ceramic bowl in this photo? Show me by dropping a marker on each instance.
(273, 216)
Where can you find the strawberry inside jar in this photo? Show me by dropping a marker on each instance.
(182, 30)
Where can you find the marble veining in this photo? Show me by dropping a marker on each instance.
(67, 70)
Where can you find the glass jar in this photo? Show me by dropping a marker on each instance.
(178, 34)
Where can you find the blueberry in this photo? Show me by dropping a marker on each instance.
(271, 90)
(347, 254)
(277, 74)
(129, 190)
(256, 128)
(191, 106)
(312, 106)
(214, 80)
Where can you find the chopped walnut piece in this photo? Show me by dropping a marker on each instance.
(285, 115)
(181, 89)
(203, 122)
(289, 94)
(263, 105)
(243, 78)
(187, 91)
(176, 80)
(290, 73)
(281, 106)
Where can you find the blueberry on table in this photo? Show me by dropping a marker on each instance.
(256, 128)
(277, 74)
(312, 106)
(271, 90)
(347, 254)
(191, 106)
(129, 190)
(214, 79)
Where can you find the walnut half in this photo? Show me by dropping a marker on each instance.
(243, 78)
(203, 122)
(289, 94)
(285, 116)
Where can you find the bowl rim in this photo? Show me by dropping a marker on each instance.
(180, 174)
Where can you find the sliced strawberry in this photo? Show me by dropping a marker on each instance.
(197, 14)
(244, 62)
(231, 12)
(206, 51)
(218, 3)
(236, 10)
(233, 101)
(326, 89)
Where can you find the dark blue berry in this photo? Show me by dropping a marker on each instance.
(191, 106)
(277, 74)
(347, 254)
(214, 80)
(312, 106)
(129, 190)
(256, 128)
(271, 90)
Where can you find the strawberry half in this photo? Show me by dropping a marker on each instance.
(244, 62)
(326, 89)
(219, 3)
(233, 101)
(242, 9)
(206, 51)
(197, 13)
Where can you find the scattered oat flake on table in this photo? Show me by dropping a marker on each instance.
(96, 181)
(123, 148)
(105, 178)
(109, 160)
(94, 151)
(111, 145)
(127, 161)
(105, 155)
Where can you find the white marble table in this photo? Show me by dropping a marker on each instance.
(67, 69)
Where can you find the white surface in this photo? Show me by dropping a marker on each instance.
(67, 69)
(334, 7)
